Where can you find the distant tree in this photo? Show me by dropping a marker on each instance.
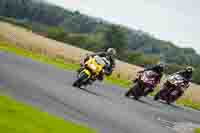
(172, 68)
(56, 33)
(116, 37)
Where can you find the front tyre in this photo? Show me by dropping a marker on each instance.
(137, 91)
(128, 93)
(82, 78)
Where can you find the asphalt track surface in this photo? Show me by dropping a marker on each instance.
(100, 106)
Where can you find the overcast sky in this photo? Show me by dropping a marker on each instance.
(173, 20)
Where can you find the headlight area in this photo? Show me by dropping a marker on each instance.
(92, 67)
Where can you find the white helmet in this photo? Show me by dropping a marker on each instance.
(111, 51)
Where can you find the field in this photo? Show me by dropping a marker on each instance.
(20, 118)
(53, 52)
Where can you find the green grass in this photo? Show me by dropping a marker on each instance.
(4, 46)
(197, 130)
(189, 103)
(120, 82)
(20, 118)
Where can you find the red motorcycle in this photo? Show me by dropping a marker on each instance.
(172, 89)
(144, 84)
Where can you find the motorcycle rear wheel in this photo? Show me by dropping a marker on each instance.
(81, 80)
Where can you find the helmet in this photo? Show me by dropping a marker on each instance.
(111, 51)
(160, 67)
(189, 69)
(188, 72)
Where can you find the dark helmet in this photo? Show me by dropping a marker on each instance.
(111, 51)
(160, 68)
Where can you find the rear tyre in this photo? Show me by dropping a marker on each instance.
(157, 96)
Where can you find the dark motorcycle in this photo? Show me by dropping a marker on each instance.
(172, 89)
(144, 84)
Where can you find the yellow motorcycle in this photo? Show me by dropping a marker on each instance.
(92, 68)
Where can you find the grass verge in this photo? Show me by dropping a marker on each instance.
(197, 130)
(120, 82)
(4, 46)
(189, 103)
(21, 118)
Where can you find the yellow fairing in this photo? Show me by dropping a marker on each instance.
(87, 72)
(93, 66)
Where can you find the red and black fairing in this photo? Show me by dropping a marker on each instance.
(172, 89)
(144, 84)
(149, 78)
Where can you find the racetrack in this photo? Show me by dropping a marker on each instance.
(101, 106)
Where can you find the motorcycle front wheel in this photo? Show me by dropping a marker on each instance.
(82, 78)
(134, 91)
(128, 93)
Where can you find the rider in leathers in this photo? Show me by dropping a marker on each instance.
(159, 69)
(109, 55)
(186, 74)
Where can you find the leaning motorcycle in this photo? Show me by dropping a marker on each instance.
(144, 84)
(172, 89)
(92, 68)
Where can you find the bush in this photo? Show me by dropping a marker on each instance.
(16, 22)
(141, 59)
(56, 33)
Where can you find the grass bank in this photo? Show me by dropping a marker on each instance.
(20, 118)
(188, 103)
(197, 130)
(7, 47)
